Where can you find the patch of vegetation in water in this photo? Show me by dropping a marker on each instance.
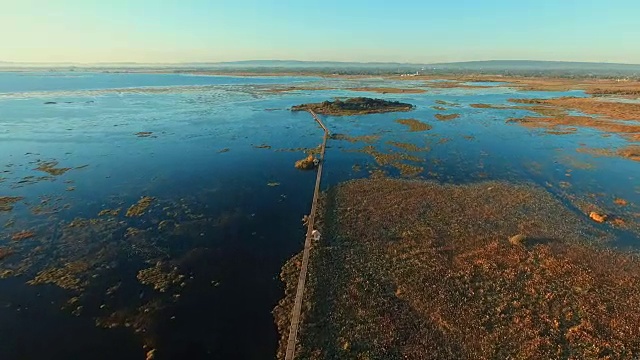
(5, 253)
(143, 134)
(444, 117)
(354, 139)
(140, 207)
(110, 212)
(261, 146)
(50, 168)
(8, 202)
(407, 146)
(23, 235)
(307, 163)
(162, 276)
(446, 103)
(395, 159)
(414, 125)
(354, 106)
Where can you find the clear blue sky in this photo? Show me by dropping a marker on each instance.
(343, 30)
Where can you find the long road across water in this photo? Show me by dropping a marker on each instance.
(297, 305)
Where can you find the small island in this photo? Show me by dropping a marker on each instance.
(354, 106)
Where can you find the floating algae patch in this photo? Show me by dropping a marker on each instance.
(439, 108)
(447, 103)
(7, 202)
(354, 139)
(162, 276)
(561, 131)
(408, 170)
(414, 125)
(110, 212)
(396, 159)
(70, 276)
(23, 235)
(443, 117)
(144, 134)
(5, 253)
(384, 159)
(407, 146)
(50, 168)
(631, 152)
(140, 207)
(440, 277)
(262, 146)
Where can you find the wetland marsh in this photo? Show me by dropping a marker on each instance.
(157, 210)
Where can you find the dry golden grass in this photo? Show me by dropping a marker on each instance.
(419, 270)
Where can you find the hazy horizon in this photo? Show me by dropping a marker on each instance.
(410, 31)
(302, 61)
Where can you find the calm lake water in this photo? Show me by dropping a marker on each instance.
(216, 155)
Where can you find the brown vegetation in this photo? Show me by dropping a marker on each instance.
(407, 146)
(306, 163)
(630, 130)
(597, 217)
(593, 106)
(354, 139)
(420, 270)
(414, 124)
(7, 202)
(395, 159)
(443, 117)
(50, 168)
(140, 207)
(630, 152)
(23, 235)
(5, 253)
(621, 202)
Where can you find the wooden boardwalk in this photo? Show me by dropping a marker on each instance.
(297, 305)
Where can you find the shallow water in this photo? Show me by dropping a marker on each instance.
(203, 155)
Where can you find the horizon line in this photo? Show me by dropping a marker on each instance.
(67, 63)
